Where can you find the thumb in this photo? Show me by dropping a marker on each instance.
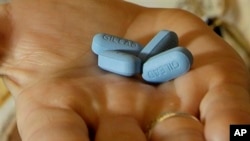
(4, 21)
(5, 29)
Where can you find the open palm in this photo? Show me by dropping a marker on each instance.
(61, 94)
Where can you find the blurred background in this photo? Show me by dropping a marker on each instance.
(228, 18)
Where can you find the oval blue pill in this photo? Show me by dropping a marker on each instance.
(119, 62)
(163, 40)
(104, 42)
(185, 51)
(167, 65)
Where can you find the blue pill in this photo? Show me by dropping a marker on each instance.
(163, 40)
(167, 65)
(119, 62)
(104, 42)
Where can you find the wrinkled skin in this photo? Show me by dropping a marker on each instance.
(61, 94)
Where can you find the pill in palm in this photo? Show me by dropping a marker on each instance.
(167, 65)
(163, 40)
(119, 62)
(104, 42)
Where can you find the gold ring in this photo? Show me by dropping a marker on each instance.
(165, 116)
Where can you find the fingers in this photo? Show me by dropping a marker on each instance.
(119, 129)
(177, 128)
(37, 120)
(222, 106)
(51, 124)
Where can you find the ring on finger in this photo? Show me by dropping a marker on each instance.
(165, 116)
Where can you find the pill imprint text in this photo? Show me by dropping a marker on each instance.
(118, 40)
(163, 69)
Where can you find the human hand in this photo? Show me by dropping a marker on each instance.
(61, 94)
